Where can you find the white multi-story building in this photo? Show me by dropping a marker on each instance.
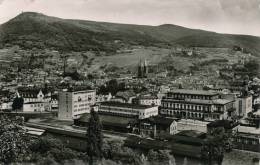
(244, 105)
(128, 110)
(74, 103)
(6, 106)
(195, 104)
(149, 100)
(35, 100)
(33, 107)
(33, 95)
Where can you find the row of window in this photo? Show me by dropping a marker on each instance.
(185, 106)
(80, 109)
(189, 114)
(247, 141)
(150, 113)
(33, 99)
(145, 126)
(81, 99)
(118, 109)
(147, 132)
(128, 111)
(149, 102)
(188, 96)
(118, 114)
(173, 129)
(82, 105)
(36, 105)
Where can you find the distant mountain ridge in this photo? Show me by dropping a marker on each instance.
(31, 29)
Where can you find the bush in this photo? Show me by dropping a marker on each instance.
(161, 155)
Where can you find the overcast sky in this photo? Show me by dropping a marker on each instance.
(225, 16)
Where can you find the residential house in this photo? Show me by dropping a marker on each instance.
(103, 98)
(34, 95)
(228, 125)
(157, 127)
(54, 103)
(33, 107)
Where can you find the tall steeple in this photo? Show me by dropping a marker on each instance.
(145, 68)
(140, 69)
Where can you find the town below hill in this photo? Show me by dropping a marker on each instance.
(84, 91)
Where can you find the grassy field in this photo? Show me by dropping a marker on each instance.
(152, 55)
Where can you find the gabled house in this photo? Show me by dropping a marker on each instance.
(103, 98)
(35, 99)
(157, 127)
(33, 95)
(54, 103)
(228, 125)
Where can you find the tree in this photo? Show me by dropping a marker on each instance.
(122, 86)
(62, 154)
(116, 151)
(94, 134)
(90, 77)
(112, 86)
(159, 157)
(44, 144)
(13, 140)
(217, 142)
(252, 68)
(17, 103)
(103, 90)
(50, 150)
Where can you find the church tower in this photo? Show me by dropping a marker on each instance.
(145, 72)
(140, 69)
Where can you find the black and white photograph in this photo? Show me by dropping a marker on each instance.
(129, 82)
